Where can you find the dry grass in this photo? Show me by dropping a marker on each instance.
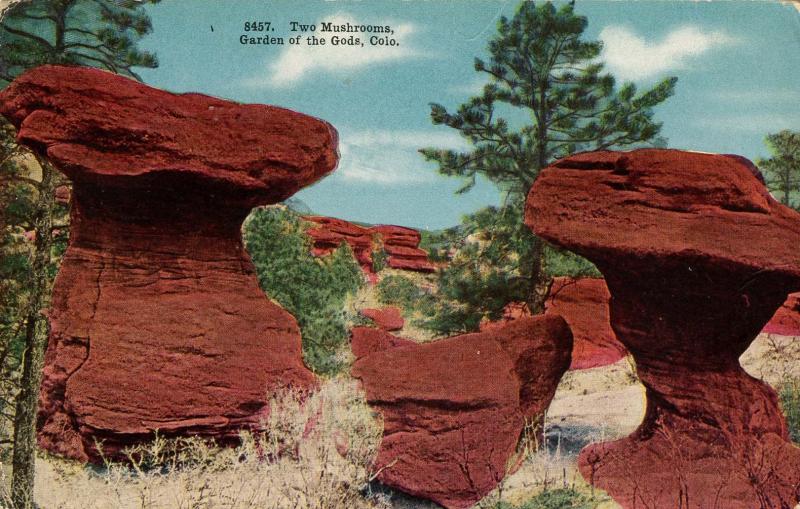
(315, 454)
(773, 358)
(367, 297)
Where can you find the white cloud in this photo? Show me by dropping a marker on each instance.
(630, 57)
(298, 61)
(389, 157)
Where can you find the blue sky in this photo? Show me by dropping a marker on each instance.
(738, 65)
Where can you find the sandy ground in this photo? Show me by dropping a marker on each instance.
(607, 403)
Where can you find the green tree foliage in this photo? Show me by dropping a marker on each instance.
(92, 33)
(486, 272)
(546, 97)
(95, 33)
(397, 290)
(312, 289)
(782, 170)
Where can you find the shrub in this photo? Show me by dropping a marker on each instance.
(312, 452)
(398, 291)
(790, 404)
(378, 260)
(312, 289)
(564, 498)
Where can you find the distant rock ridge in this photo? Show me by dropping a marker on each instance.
(157, 321)
(400, 243)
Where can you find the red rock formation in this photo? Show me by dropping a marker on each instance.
(367, 340)
(697, 257)
(583, 303)
(157, 320)
(786, 320)
(454, 409)
(398, 235)
(401, 244)
(331, 232)
(388, 318)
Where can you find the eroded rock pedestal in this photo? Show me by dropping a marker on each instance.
(583, 302)
(697, 257)
(454, 410)
(157, 320)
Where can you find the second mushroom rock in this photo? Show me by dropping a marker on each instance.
(697, 257)
(157, 320)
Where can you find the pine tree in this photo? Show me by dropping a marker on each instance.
(782, 170)
(546, 97)
(94, 33)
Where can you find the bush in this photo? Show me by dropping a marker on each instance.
(312, 289)
(398, 291)
(790, 404)
(378, 260)
(564, 498)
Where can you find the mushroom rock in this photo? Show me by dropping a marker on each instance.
(583, 302)
(388, 318)
(697, 257)
(157, 320)
(786, 320)
(454, 409)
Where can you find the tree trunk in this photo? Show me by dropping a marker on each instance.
(540, 281)
(24, 454)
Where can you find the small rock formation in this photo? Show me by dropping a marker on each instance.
(454, 410)
(583, 302)
(157, 320)
(330, 232)
(786, 320)
(697, 257)
(388, 318)
(367, 340)
(400, 244)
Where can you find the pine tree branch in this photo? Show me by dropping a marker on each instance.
(20, 180)
(106, 64)
(81, 31)
(21, 33)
